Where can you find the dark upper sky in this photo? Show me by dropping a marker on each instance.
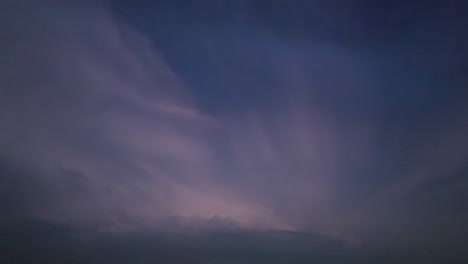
(343, 119)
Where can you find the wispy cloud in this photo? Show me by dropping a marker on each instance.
(90, 108)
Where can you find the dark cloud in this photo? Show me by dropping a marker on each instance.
(38, 241)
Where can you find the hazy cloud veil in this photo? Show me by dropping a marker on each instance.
(90, 108)
(92, 115)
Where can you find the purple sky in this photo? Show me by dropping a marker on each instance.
(107, 123)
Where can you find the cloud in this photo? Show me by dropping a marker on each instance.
(39, 241)
(111, 136)
(86, 99)
(58, 243)
(90, 108)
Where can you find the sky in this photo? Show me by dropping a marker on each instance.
(332, 126)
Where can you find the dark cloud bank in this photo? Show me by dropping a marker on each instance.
(233, 131)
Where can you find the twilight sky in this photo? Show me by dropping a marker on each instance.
(345, 119)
